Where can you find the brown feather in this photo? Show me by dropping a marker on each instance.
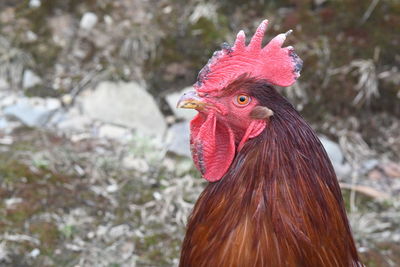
(279, 204)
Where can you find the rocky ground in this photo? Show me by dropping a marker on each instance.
(79, 189)
(94, 160)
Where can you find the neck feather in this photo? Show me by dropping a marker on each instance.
(280, 198)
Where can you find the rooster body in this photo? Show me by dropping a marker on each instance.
(277, 202)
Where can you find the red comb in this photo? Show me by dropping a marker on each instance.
(277, 65)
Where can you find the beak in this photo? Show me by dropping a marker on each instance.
(190, 100)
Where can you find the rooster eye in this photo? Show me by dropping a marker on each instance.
(242, 100)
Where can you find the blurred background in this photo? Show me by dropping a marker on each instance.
(94, 162)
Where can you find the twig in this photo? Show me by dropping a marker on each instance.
(83, 83)
(369, 11)
(366, 190)
(352, 188)
(20, 238)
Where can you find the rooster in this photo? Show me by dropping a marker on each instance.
(273, 198)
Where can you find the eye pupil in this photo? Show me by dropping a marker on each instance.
(242, 99)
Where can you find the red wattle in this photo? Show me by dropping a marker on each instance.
(213, 146)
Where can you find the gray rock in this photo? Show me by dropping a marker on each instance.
(71, 121)
(33, 112)
(343, 171)
(7, 99)
(131, 163)
(118, 231)
(31, 36)
(30, 79)
(102, 230)
(34, 253)
(370, 164)
(88, 21)
(173, 98)
(125, 104)
(126, 249)
(4, 84)
(11, 202)
(57, 118)
(3, 123)
(6, 140)
(178, 139)
(7, 127)
(113, 132)
(35, 3)
(112, 188)
(336, 156)
(333, 150)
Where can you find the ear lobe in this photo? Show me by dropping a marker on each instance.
(261, 113)
(255, 128)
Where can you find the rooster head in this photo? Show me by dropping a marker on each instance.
(229, 114)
